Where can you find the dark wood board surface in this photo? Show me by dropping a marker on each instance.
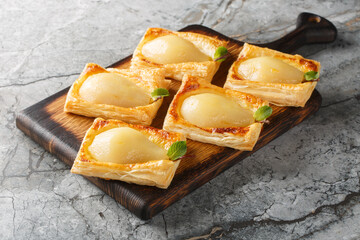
(61, 133)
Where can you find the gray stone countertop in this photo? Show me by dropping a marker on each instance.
(303, 185)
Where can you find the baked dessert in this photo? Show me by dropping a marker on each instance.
(113, 149)
(274, 76)
(122, 94)
(178, 53)
(210, 114)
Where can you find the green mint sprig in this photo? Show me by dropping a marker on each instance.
(177, 150)
(221, 54)
(263, 113)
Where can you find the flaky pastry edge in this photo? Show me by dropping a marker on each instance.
(148, 79)
(157, 173)
(206, 44)
(280, 94)
(241, 138)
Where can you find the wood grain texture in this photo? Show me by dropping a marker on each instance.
(61, 134)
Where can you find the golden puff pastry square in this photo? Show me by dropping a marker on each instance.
(178, 53)
(210, 114)
(272, 75)
(112, 149)
(123, 94)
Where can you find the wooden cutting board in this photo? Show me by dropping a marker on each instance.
(61, 133)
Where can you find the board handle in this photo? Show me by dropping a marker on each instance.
(310, 28)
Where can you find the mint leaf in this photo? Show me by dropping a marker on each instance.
(311, 75)
(262, 113)
(220, 54)
(159, 93)
(177, 150)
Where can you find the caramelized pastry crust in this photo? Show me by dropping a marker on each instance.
(281, 94)
(207, 45)
(157, 173)
(144, 80)
(242, 138)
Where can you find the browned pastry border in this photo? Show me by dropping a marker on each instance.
(280, 94)
(206, 44)
(242, 138)
(157, 173)
(148, 79)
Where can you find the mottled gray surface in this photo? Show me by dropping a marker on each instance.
(305, 184)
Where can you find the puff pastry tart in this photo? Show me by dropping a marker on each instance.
(272, 75)
(113, 149)
(178, 53)
(210, 114)
(122, 94)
